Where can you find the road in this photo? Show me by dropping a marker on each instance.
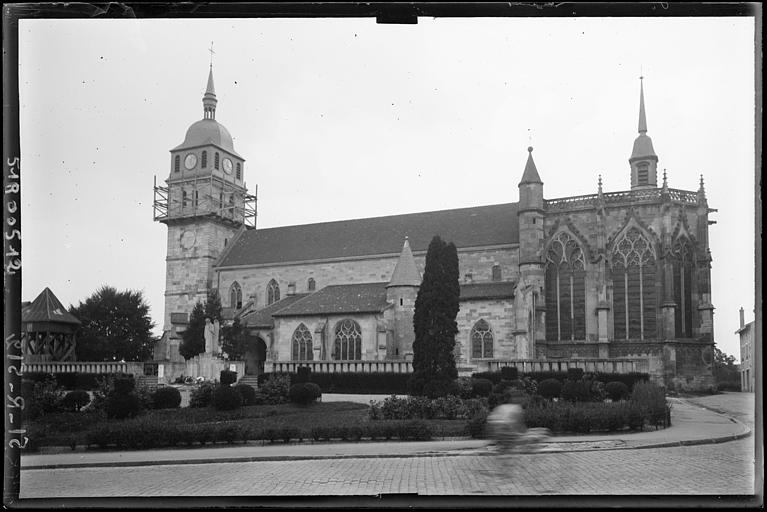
(725, 468)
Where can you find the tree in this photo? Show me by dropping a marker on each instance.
(115, 326)
(234, 340)
(436, 307)
(724, 368)
(193, 338)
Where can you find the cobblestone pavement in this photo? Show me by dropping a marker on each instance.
(720, 469)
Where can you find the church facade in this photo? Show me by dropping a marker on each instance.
(610, 276)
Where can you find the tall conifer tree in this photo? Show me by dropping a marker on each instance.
(436, 308)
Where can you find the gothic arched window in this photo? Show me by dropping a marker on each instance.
(303, 344)
(177, 163)
(481, 340)
(634, 297)
(204, 163)
(348, 340)
(184, 199)
(311, 285)
(272, 292)
(239, 171)
(496, 272)
(215, 161)
(565, 290)
(235, 296)
(683, 279)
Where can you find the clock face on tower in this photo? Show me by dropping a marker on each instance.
(190, 161)
(188, 238)
(227, 166)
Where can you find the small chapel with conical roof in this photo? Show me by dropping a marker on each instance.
(610, 281)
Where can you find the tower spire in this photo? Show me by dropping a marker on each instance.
(209, 98)
(642, 116)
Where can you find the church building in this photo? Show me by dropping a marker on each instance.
(598, 279)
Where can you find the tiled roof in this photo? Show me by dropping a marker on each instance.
(491, 290)
(47, 308)
(339, 299)
(262, 318)
(465, 227)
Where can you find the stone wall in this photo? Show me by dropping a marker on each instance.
(254, 280)
(499, 314)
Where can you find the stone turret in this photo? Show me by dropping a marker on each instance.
(643, 161)
(401, 292)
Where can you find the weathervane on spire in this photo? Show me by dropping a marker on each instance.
(211, 54)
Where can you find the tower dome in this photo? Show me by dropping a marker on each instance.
(208, 130)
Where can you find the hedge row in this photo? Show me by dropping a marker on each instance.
(629, 379)
(86, 381)
(354, 382)
(594, 417)
(153, 434)
(410, 407)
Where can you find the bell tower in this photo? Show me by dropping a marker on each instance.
(204, 204)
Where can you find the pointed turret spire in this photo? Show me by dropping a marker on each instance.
(642, 117)
(209, 98)
(531, 172)
(405, 272)
(643, 159)
(701, 191)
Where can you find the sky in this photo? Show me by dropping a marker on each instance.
(344, 118)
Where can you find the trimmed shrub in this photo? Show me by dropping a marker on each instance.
(227, 377)
(166, 397)
(75, 400)
(274, 390)
(123, 384)
(651, 400)
(575, 373)
(202, 395)
(302, 374)
(482, 387)
(43, 397)
(509, 373)
(576, 390)
(226, 398)
(304, 393)
(462, 387)
(476, 426)
(351, 382)
(549, 388)
(616, 390)
(247, 393)
(120, 406)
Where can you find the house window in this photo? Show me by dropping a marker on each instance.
(196, 197)
(481, 340)
(235, 296)
(215, 161)
(634, 297)
(303, 344)
(682, 265)
(311, 285)
(496, 272)
(565, 290)
(177, 163)
(184, 199)
(239, 171)
(204, 163)
(272, 292)
(348, 341)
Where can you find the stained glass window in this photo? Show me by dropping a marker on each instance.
(565, 290)
(634, 297)
(481, 340)
(302, 344)
(348, 341)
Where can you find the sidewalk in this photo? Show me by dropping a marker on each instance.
(691, 424)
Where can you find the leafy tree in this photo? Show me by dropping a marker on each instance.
(436, 307)
(115, 326)
(234, 340)
(724, 367)
(193, 338)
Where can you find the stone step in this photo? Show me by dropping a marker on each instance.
(250, 380)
